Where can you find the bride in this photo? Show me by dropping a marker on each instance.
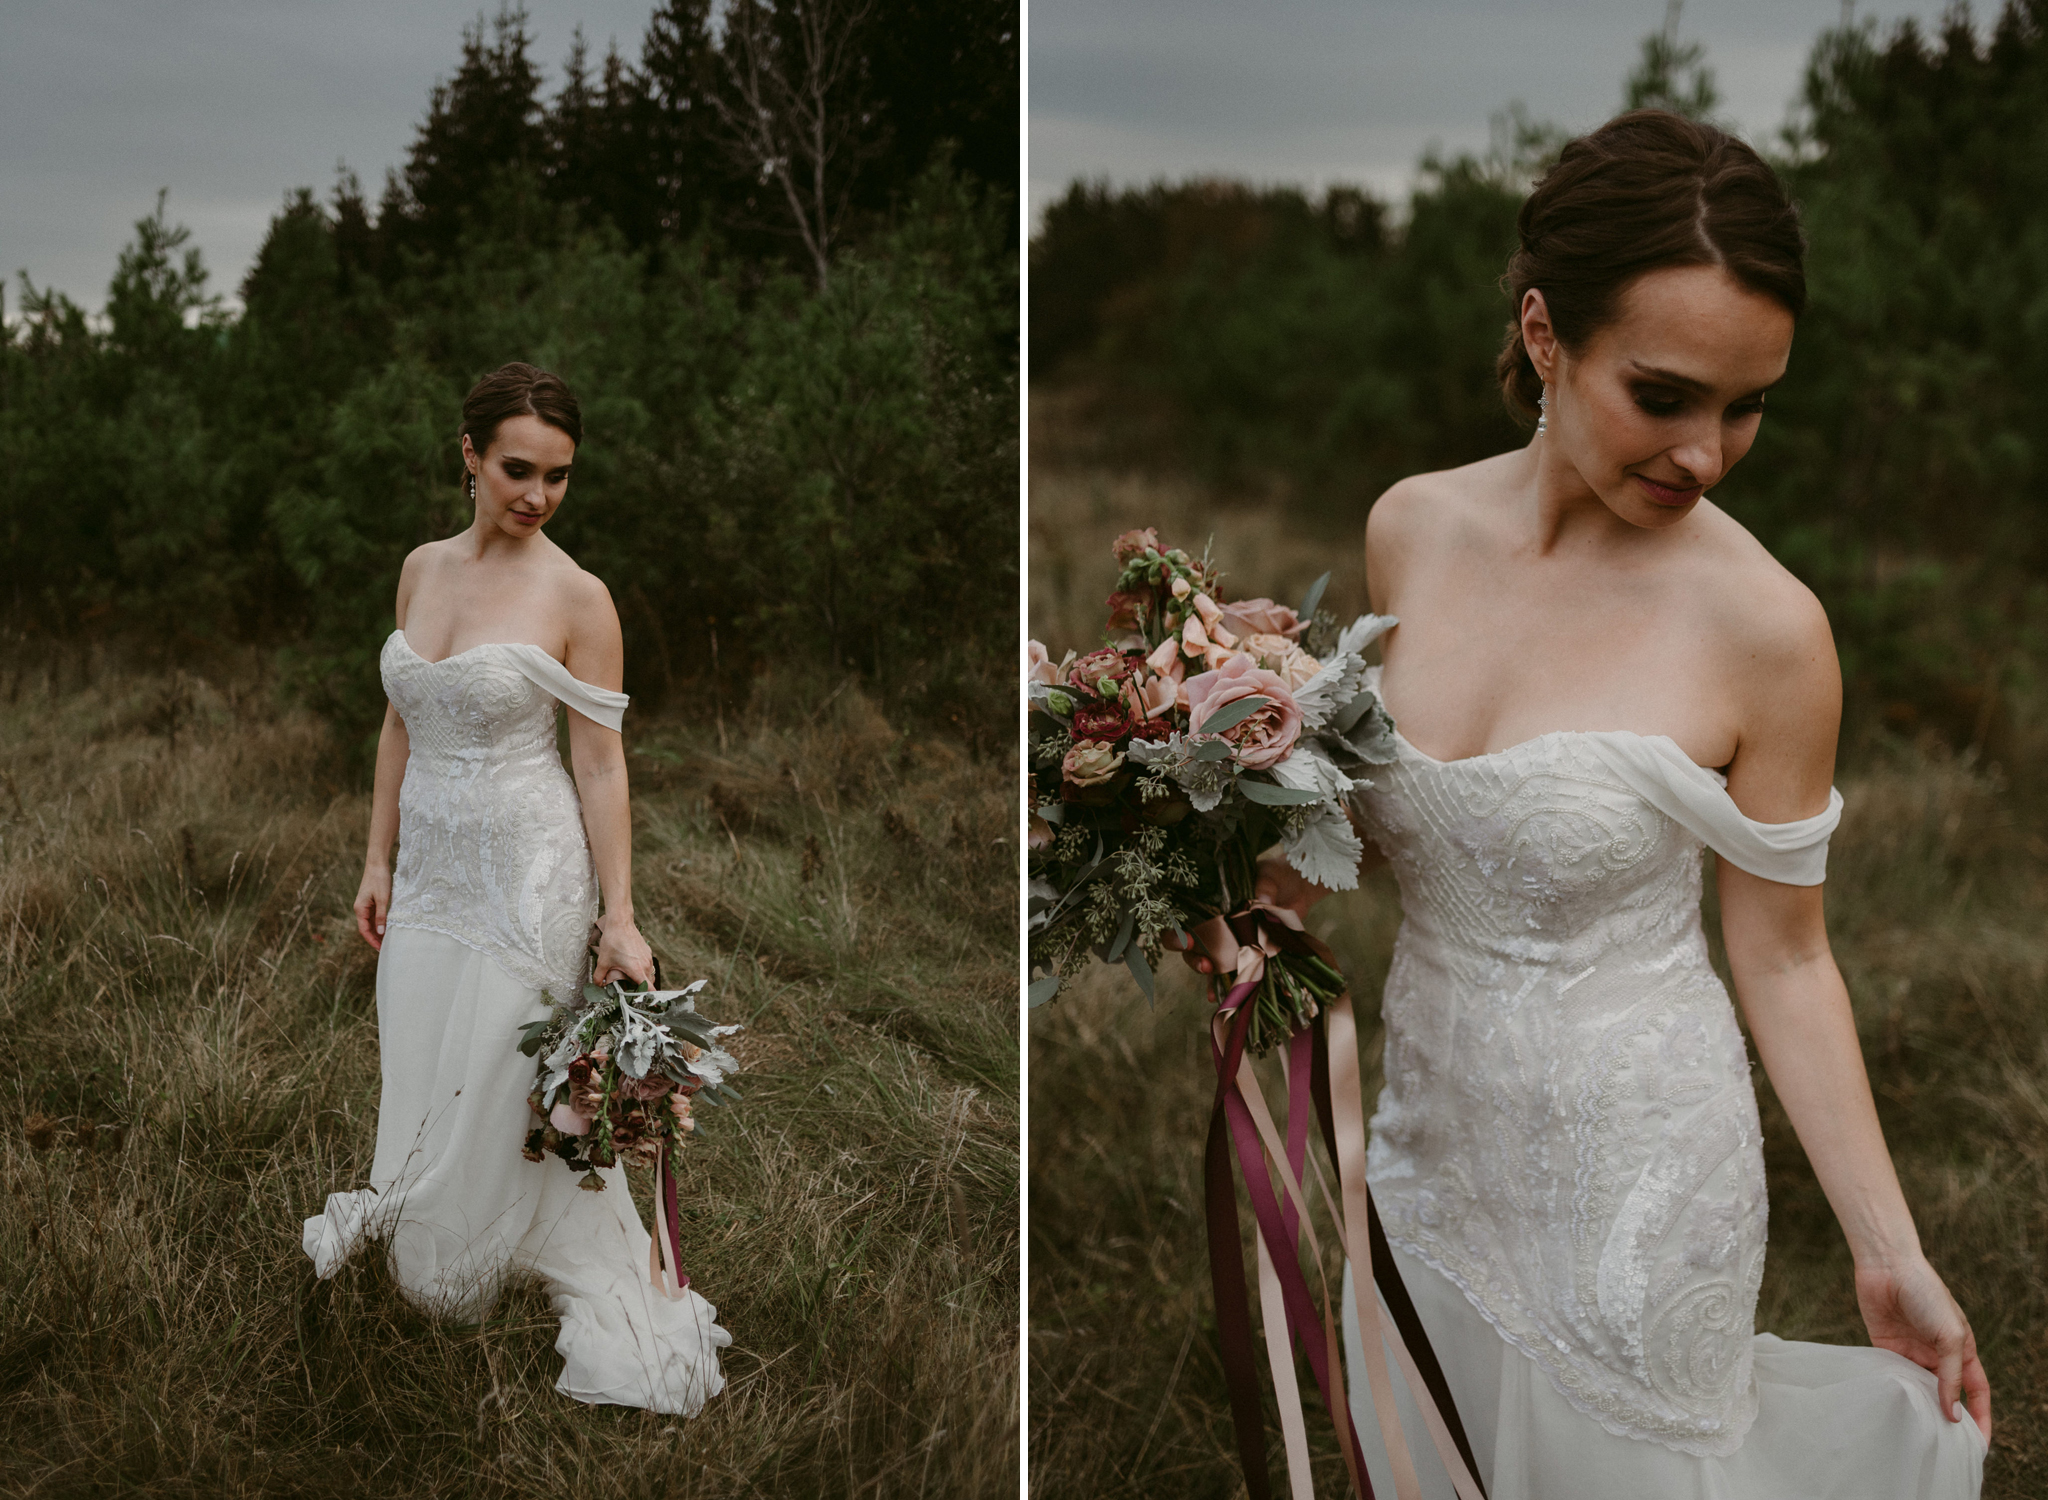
(1596, 673)
(501, 859)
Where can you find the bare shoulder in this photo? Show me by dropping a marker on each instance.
(581, 592)
(595, 650)
(1772, 623)
(417, 570)
(1425, 515)
(1778, 660)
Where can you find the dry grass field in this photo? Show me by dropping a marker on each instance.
(181, 991)
(1936, 893)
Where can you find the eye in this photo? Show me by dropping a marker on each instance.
(1754, 407)
(1659, 400)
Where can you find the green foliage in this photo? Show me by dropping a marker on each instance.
(824, 481)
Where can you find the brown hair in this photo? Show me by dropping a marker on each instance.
(518, 390)
(1647, 189)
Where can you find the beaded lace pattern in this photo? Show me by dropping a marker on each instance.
(491, 846)
(1568, 1130)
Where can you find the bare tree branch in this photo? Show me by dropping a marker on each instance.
(791, 112)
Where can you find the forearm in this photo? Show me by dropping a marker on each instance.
(608, 821)
(394, 748)
(1805, 1033)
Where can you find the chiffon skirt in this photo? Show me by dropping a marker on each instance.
(1834, 1422)
(460, 1209)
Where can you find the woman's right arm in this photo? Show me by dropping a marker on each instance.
(373, 898)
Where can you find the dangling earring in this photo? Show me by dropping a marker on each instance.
(472, 477)
(1542, 424)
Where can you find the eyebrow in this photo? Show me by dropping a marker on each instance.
(1683, 382)
(1671, 377)
(532, 463)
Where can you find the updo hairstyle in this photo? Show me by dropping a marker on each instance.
(518, 390)
(1647, 189)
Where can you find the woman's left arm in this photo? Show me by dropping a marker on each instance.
(1799, 1014)
(597, 655)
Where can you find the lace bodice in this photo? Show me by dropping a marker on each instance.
(491, 847)
(1568, 1129)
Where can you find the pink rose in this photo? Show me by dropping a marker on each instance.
(1092, 762)
(1282, 657)
(1134, 544)
(1040, 836)
(1038, 664)
(1270, 732)
(1263, 617)
(566, 1120)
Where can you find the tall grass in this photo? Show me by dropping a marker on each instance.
(1936, 886)
(184, 1002)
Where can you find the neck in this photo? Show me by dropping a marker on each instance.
(1558, 508)
(485, 540)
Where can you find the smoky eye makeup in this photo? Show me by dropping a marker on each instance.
(1658, 400)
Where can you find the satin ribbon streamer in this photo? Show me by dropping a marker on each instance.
(1321, 1067)
(664, 1266)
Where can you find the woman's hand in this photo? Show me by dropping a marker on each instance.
(621, 952)
(1909, 1311)
(373, 904)
(1279, 884)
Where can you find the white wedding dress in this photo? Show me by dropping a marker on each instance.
(491, 900)
(1567, 1156)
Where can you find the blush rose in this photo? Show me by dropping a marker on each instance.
(1269, 733)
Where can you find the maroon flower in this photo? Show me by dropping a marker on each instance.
(1100, 721)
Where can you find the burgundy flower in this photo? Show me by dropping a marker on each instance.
(1100, 721)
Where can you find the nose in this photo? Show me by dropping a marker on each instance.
(1700, 453)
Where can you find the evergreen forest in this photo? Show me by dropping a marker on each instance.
(1308, 349)
(774, 255)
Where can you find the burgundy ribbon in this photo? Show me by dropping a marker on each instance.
(1279, 1226)
(664, 1266)
(1281, 1229)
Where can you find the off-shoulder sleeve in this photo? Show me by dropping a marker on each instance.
(1697, 799)
(599, 705)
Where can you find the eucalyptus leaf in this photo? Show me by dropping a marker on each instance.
(1233, 714)
(1134, 956)
(1265, 793)
(1312, 598)
(1123, 937)
(1213, 750)
(1041, 990)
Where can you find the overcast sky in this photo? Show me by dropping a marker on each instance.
(228, 103)
(1320, 91)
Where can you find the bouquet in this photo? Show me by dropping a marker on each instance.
(1201, 733)
(618, 1074)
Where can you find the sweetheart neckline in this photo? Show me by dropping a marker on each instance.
(480, 645)
(1548, 734)
(1534, 739)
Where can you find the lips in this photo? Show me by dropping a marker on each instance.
(1669, 494)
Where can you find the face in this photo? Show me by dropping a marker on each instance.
(1654, 408)
(522, 476)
